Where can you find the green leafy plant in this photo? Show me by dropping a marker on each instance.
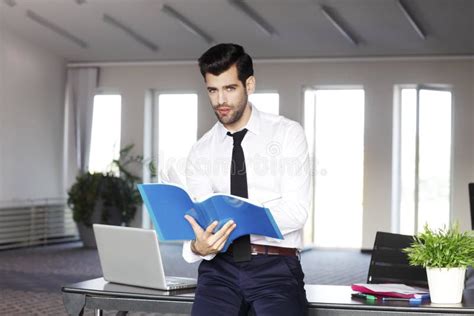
(442, 248)
(116, 193)
(82, 196)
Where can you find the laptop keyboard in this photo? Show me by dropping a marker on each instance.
(179, 283)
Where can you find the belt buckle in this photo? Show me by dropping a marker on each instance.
(271, 251)
(254, 250)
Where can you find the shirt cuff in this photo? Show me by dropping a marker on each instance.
(190, 257)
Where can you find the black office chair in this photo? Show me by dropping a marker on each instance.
(389, 264)
(470, 270)
(470, 278)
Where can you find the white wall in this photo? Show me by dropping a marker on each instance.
(31, 120)
(289, 78)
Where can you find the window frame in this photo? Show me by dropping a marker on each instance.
(310, 228)
(100, 91)
(397, 146)
(268, 91)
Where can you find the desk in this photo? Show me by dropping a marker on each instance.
(323, 300)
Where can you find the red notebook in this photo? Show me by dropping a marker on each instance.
(391, 290)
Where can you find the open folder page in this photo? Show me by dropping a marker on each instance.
(167, 204)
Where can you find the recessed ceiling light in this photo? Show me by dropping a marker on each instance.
(254, 16)
(128, 30)
(411, 19)
(11, 3)
(338, 25)
(188, 25)
(55, 28)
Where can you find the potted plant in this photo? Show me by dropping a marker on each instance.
(107, 198)
(445, 253)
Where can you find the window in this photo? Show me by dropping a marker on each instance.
(177, 132)
(424, 157)
(266, 102)
(105, 134)
(334, 125)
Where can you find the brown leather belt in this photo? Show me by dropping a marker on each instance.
(272, 250)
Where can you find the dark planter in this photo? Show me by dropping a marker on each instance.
(86, 233)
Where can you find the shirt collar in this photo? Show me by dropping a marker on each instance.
(253, 125)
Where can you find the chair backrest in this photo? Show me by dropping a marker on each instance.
(471, 203)
(470, 278)
(389, 264)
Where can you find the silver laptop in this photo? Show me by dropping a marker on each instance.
(132, 256)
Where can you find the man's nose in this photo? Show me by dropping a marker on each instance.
(222, 98)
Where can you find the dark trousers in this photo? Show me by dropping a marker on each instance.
(265, 285)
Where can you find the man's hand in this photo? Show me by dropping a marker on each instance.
(206, 241)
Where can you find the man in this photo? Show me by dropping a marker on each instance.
(264, 158)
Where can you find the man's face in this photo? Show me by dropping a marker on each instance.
(228, 96)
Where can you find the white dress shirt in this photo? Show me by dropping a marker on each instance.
(278, 173)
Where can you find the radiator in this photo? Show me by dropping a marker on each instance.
(35, 222)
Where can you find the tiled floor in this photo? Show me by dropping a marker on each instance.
(31, 278)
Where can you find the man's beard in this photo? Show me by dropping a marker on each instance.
(235, 114)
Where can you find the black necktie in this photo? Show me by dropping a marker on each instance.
(238, 186)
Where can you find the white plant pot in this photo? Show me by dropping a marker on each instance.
(446, 284)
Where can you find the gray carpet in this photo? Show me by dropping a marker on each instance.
(31, 278)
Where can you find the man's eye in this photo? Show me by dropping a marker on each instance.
(211, 90)
(230, 88)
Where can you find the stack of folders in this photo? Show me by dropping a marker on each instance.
(390, 292)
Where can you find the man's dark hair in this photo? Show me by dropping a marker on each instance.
(221, 57)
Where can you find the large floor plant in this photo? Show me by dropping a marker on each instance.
(108, 198)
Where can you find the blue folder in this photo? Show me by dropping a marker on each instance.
(167, 204)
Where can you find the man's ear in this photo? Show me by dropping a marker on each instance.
(250, 85)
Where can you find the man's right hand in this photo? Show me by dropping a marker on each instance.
(206, 241)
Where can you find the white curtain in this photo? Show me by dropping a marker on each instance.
(81, 85)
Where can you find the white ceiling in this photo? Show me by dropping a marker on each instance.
(379, 26)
